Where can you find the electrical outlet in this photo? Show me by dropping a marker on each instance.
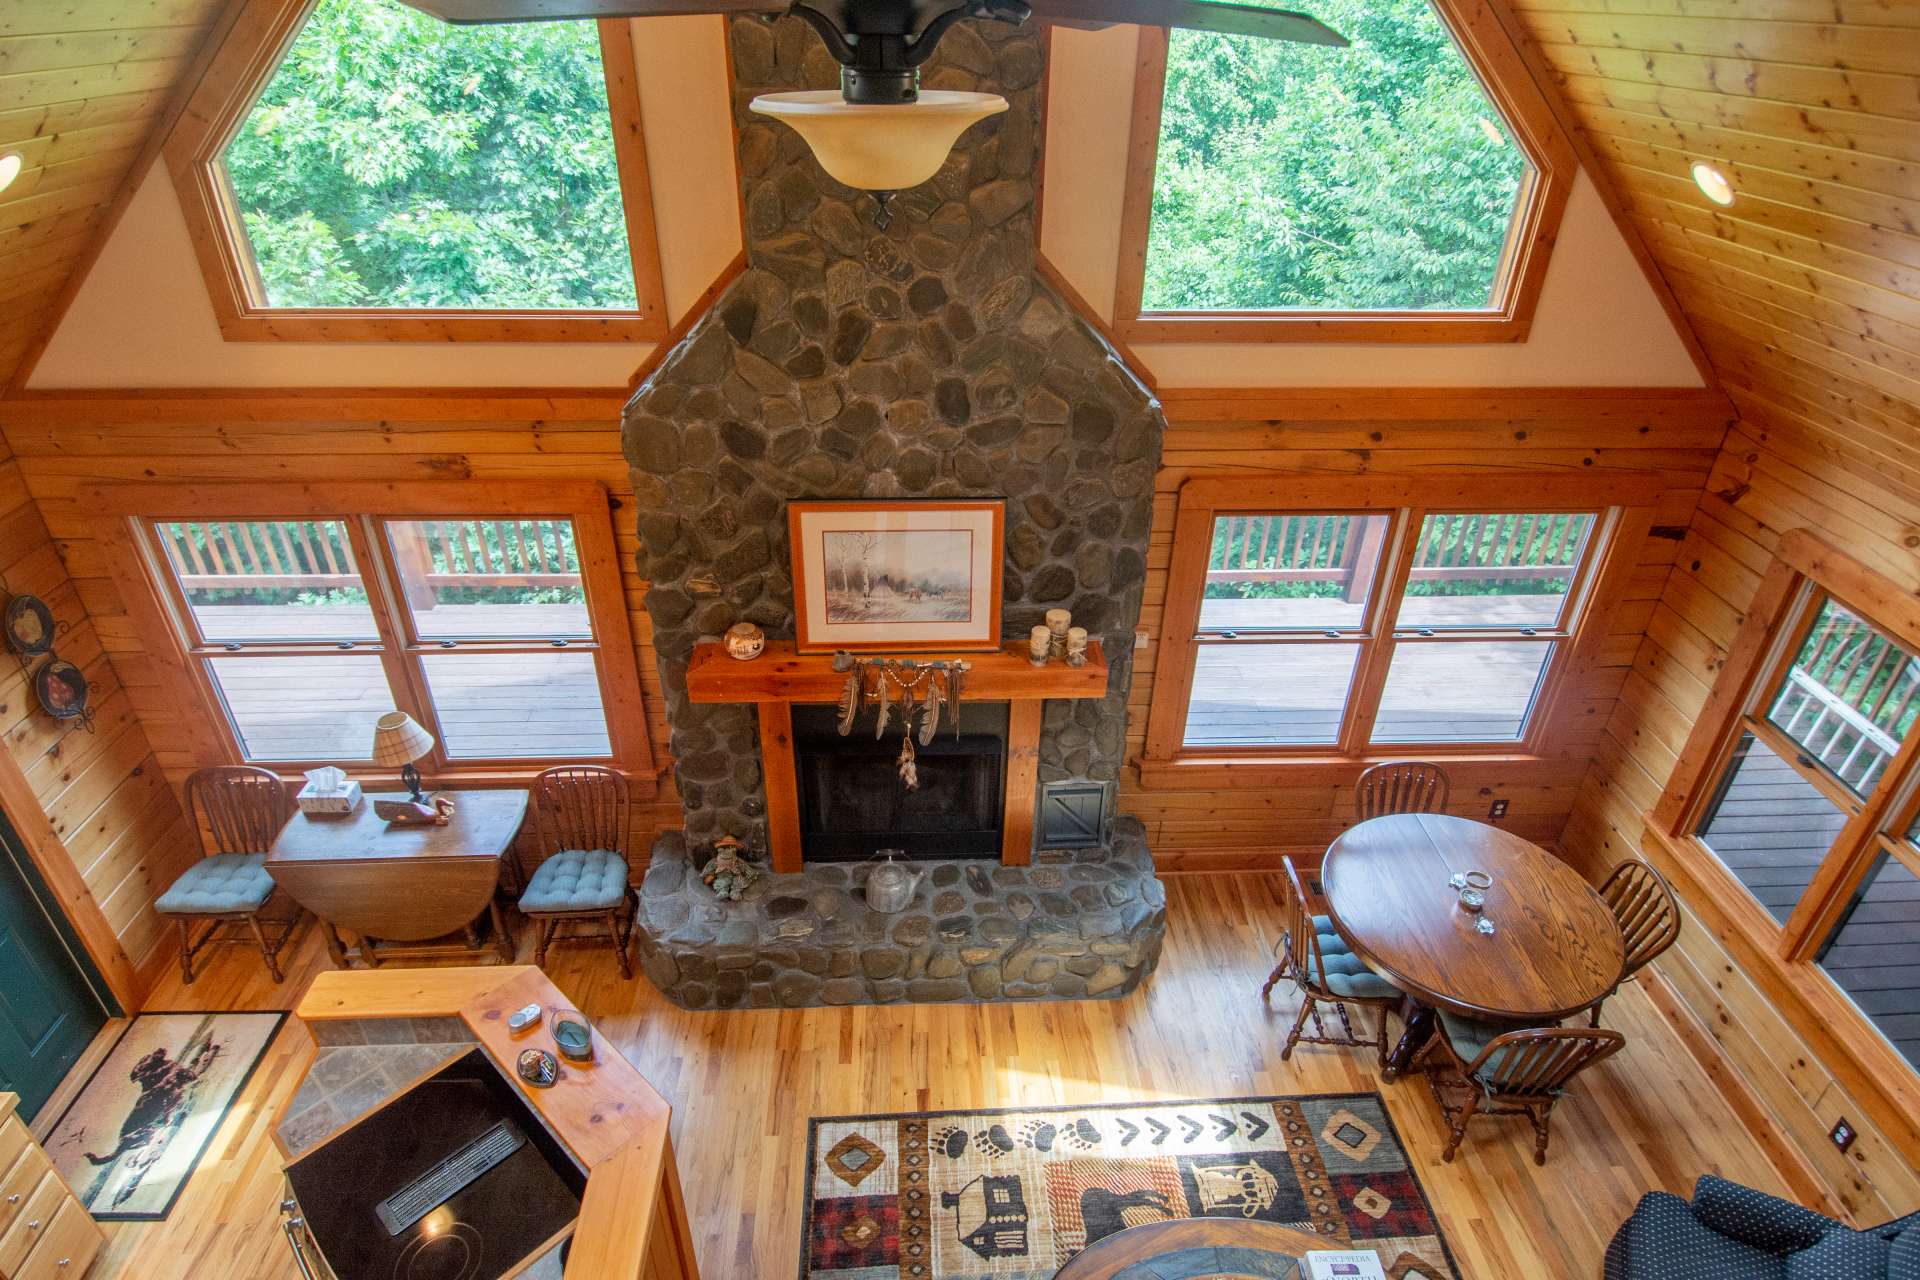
(1842, 1134)
(1140, 637)
(1498, 809)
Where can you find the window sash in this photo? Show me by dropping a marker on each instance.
(240, 70)
(398, 647)
(1544, 191)
(1378, 638)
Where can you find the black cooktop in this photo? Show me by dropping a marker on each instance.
(454, 1180)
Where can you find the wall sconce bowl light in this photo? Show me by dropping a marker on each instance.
(880, 146)
(10, 166)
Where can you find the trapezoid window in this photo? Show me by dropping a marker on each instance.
(1289, 181)
(394, 160)
(380, 173)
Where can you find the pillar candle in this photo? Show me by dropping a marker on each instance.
(1039, 645)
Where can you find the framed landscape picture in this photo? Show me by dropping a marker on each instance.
(897, 575)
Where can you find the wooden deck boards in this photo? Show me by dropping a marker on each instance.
(1772, 831)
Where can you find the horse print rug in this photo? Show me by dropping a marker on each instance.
(133, 1137)
(1012, 1195)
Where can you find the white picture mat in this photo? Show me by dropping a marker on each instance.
(811, 558)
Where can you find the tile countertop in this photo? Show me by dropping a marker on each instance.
(379, 1031)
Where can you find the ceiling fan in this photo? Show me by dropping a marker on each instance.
(880, 132)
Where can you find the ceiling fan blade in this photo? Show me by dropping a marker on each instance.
(485, 11)
(1200, 15)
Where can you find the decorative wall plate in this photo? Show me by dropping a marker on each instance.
(30, 625)
(62, 689)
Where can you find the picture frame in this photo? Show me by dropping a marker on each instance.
(897, 575)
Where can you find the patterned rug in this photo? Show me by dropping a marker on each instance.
(1012, 1195)
(137, 1130)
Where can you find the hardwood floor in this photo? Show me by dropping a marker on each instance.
(744, 1084)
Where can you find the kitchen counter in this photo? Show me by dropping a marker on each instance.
(382, 1028)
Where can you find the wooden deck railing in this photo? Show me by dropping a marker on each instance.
(1850, 697)
(432, 555)
(1345, 549)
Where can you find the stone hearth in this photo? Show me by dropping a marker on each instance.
(1077, 924)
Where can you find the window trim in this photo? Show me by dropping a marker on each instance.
(1623, 502)
(247, 58)
(151, 592)
(1780, 958)
(1491, 55)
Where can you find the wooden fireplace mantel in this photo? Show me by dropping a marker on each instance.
(779, 677)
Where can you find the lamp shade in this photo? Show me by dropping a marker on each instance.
(399, 739)
(880, 146)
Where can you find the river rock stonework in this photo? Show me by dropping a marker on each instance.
(925, 360)
(1085, 924)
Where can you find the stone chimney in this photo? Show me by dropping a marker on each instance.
(925, 360)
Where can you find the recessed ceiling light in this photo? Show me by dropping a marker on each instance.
(1713, 184)
(10, 166)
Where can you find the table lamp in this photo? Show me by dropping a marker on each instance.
(399, 739)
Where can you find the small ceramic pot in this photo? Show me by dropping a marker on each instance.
(745, 641)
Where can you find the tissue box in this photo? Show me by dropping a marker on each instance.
(324, 804)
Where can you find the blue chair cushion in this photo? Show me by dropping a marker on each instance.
(1331, 943)
(577, 880)
(1347, 976)
(1663, 1240)
(1763, 1221)
(218, 885)
(1840, 1255)
(1903, 1257)
(1471, 1035)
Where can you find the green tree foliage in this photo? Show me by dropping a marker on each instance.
(1291, 175)
(396, 161)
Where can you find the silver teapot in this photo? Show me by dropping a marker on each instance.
(890, 886)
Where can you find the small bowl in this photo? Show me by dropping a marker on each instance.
(573, 1037)
(538, 1068)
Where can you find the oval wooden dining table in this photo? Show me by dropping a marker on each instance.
(1555, 948)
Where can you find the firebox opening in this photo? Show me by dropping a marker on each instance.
(852, 803)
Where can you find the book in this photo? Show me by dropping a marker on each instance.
(1343, 1264)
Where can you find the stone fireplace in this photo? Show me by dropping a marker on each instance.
(928, 359)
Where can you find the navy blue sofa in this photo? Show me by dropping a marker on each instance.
(1731, 1232)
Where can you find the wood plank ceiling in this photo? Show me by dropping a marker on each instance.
(1806, 292)
(82, 85)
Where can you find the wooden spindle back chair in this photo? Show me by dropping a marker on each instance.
(582, 814)
(1401, 786)
(583, 807)
(1647, 913)
(1515, 1073)
(239, 809)
(1339, 979)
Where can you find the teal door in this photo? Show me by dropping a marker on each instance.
(49, 1011)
